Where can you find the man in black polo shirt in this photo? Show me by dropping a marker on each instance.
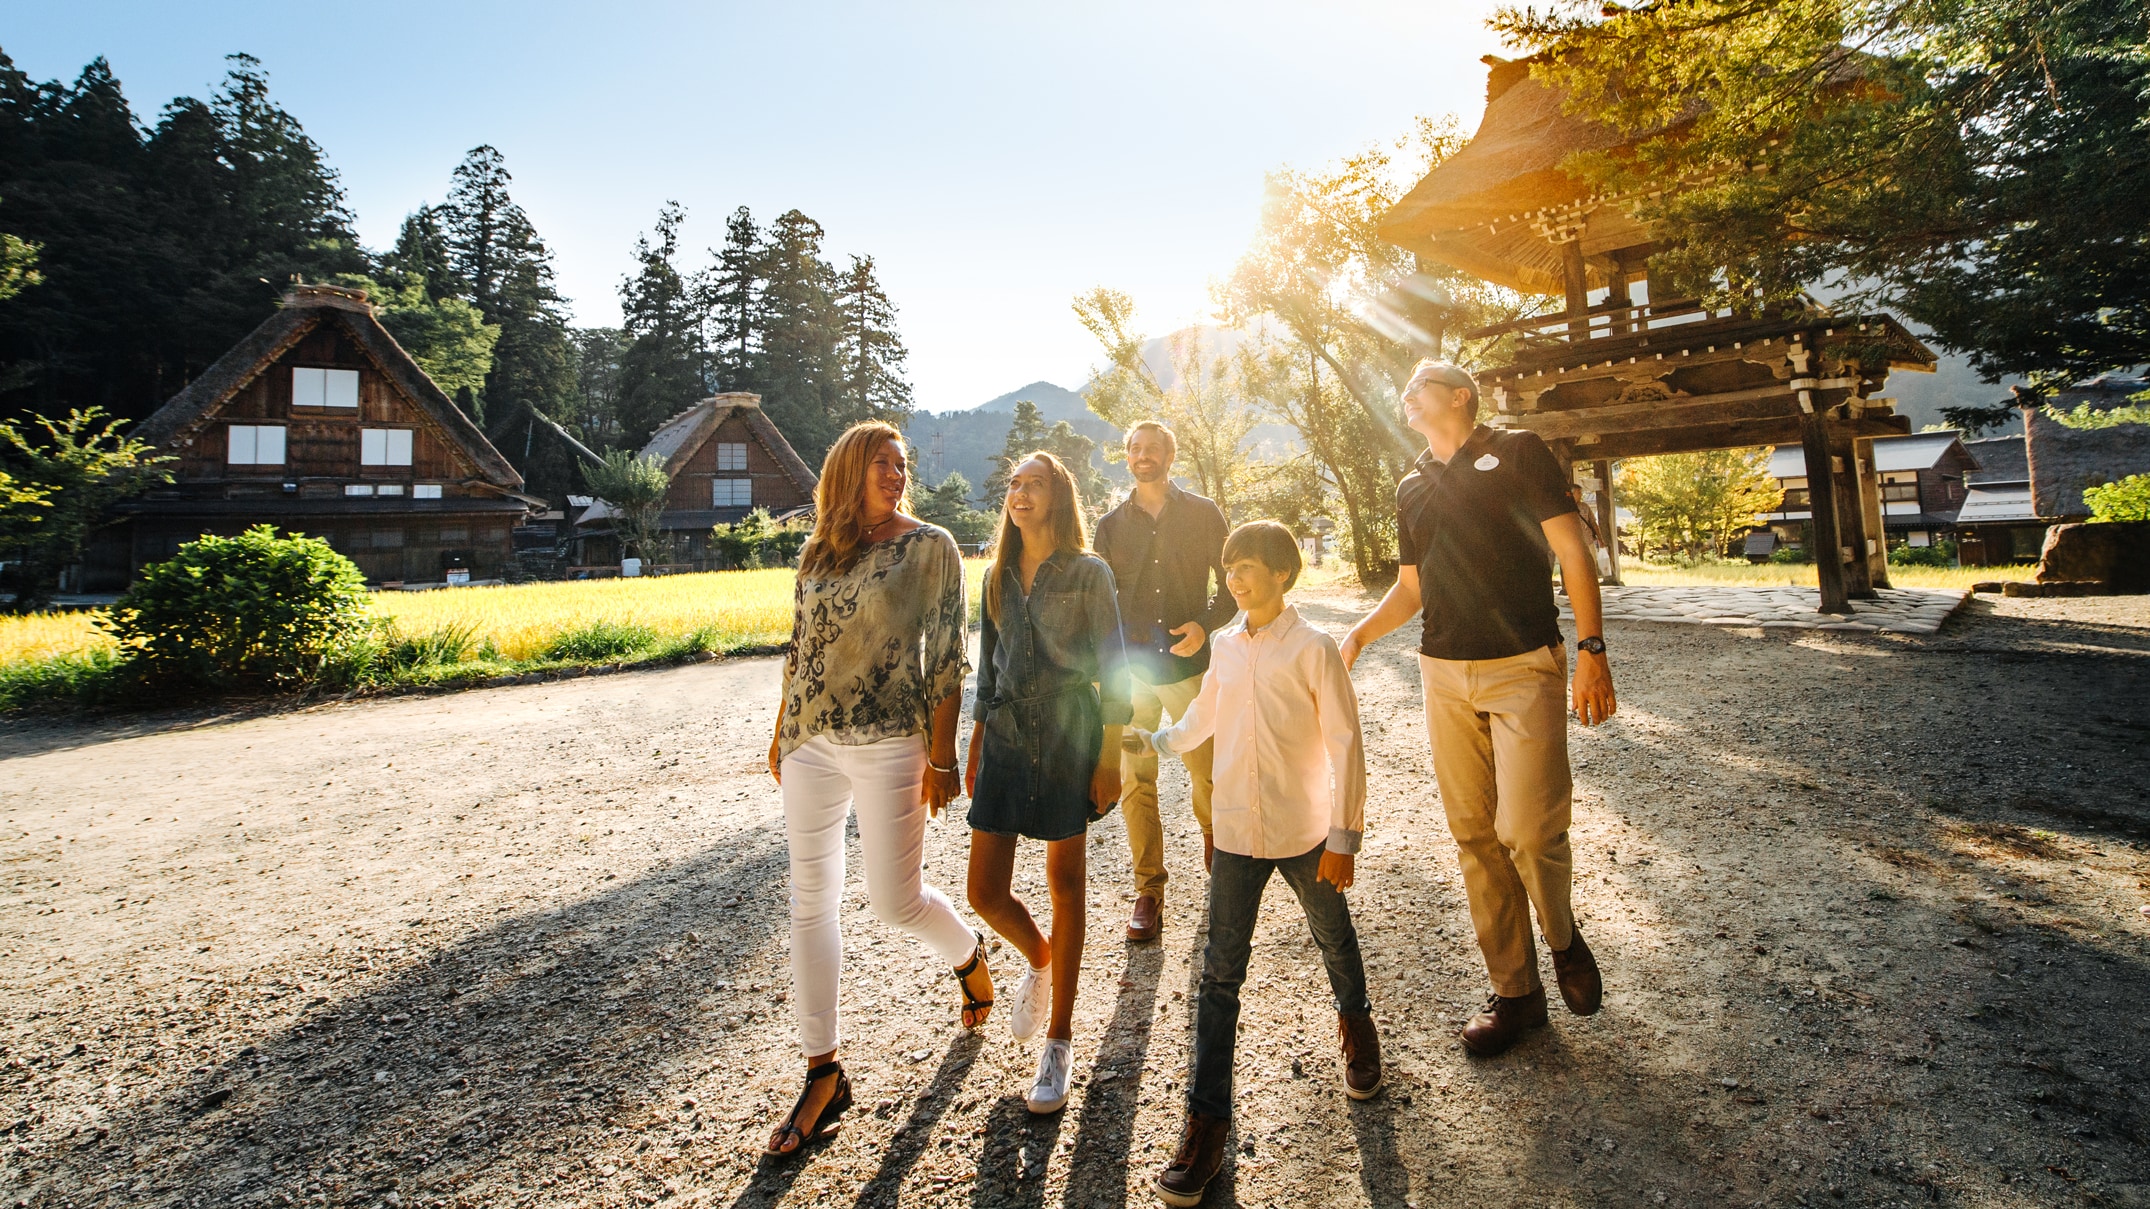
(1477, 518)
(1166, 550)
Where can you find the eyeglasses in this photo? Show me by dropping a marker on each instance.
(1446, 375)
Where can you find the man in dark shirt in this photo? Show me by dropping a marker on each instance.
(1165, 547)
(1477, 519)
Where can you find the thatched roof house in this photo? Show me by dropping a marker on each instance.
(319, 422)
(2064, 461)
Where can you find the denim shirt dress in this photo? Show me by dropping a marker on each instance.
(1051, 677)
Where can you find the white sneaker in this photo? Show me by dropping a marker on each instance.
(1033, 999)
(1050, 1093)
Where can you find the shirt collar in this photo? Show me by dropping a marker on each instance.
(1283, 624)
(1479, 435)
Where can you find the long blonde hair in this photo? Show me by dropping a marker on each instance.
(1069, 531)
(839, 535)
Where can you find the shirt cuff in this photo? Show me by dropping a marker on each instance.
(1342, 842)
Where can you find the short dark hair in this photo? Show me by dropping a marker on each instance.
(1268, 543)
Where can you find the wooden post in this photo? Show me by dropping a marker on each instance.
(1877, 562)
(1575, 280)
(1608, 520)
(1851, 517)
(1821, 503)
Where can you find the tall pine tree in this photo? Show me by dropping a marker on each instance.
(731, 302)
(661, 369)
(870, 351)
(498, 257)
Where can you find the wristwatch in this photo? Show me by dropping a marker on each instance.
(1595, 645)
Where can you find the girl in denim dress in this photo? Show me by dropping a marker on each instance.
(1044, 751)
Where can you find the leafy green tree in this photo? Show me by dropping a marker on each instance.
(1694, 505)
(870, 353)
(256, 609)
(948, 505)
(633, 487)
(447, 336)
(1351, 313)
(1978, 165)
(1207, 406)
(18, 266)
(2125, 500)
(661, 369)
(77, 469)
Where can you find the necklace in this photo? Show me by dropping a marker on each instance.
(884, 522)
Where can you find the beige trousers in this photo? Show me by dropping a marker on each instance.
(1138, 780)
(1500, 754)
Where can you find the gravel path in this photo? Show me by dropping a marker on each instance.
(1869, 906)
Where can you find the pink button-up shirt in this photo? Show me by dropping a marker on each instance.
(1290, 772)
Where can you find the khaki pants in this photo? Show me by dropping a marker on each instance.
(1138, 781)
(1500, 754)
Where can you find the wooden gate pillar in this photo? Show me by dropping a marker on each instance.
(1870, 507)
(1821, 504)
(1851, 515)
(1608, 520)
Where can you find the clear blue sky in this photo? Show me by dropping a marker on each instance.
(995, 159)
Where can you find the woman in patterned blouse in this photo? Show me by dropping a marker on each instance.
(873, 694)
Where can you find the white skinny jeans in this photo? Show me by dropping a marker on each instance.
(821, 782)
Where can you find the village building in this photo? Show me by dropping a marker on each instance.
(1921, 477)
(319, 423)
(1997, 524)
(726, 458)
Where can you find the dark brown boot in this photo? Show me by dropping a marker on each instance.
(1147, 920)
(1362, 1055)
(1201, 1153)
(1503, 1023)
(1577, 973)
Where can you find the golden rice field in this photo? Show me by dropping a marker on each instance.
(737, 609)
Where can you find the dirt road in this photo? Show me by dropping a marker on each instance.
(1870, 910)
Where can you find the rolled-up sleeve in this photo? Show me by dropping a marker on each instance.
(1101, 605)
(1222, 608)
(1338, 706)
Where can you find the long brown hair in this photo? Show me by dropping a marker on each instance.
(1069, 531)
(839, 535)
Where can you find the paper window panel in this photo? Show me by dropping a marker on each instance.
(731, 456)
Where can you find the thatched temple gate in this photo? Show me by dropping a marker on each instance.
(1615, 379)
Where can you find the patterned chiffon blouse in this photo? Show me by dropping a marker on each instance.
(876, 648)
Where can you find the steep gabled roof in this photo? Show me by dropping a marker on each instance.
(2065, 460)
(1912, 451)
(2000, 460)
(678, 439)
(303, 310)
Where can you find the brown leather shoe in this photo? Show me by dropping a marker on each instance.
(1503, 1023)
(1201, 1153)
(1362, 1055)
(1577, 973)
(1209, 853)
(1147, 920)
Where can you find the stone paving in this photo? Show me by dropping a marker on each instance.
(1899, 610)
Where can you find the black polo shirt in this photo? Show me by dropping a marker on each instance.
(1473, 528)
(1164, 566)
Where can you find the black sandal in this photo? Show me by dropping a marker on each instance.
(827, 1122)
(963, 973)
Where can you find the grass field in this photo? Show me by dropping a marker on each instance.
(1744, 575)
(496, 628)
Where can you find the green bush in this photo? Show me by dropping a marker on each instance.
(2126, 500)
(1940, 554)
(256, 609)
(1790, 554)
(599, 641)
(755, 540)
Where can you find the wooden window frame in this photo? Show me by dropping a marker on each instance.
(254, 431)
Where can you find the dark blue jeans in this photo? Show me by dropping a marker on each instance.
(1235, 898)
